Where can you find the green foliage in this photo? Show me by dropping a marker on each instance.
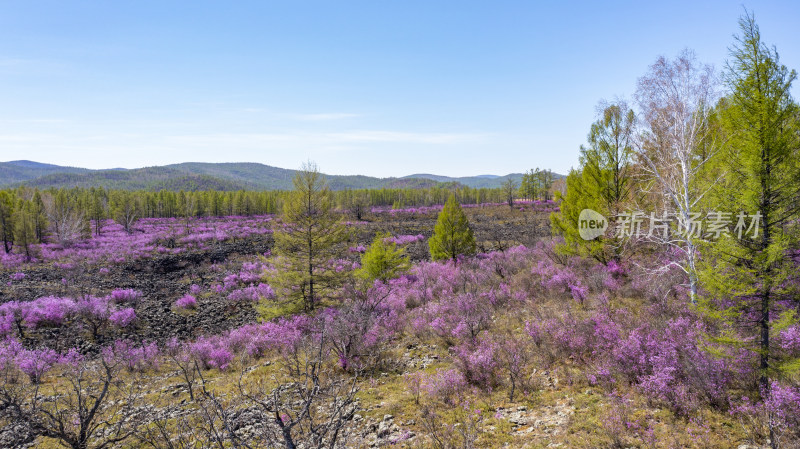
(509, 186)
(270, 310)
(751, 276)
(565, 222)
(125, 209)
(452, 235)
(535, 184)
(98, 208)
(6, 222)
(25, 227)
(603, 183)
(383, 260)
(309, 241)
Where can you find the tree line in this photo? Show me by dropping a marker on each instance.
(29, 215)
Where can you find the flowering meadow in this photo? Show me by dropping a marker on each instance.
(521, 346)
(545, 206)
(151, 236)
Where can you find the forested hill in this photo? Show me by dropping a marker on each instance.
(19, 171)
(487, 181)
(212, 176)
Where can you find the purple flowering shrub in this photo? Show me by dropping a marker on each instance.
(244, 285)
(359, 329)
(91, 313)
(477, 362)
(7, 325)
(453, 318)
(253, 293)
(12, 317)
(186, 302)
(413, 382)
(127, 295)
(35, 363)
(432, 281)
(47, 311)
(135, 358)
(445, 385)
(781, 405)
(514, 355)
(571, 338)
(212, 352)
(670, 365)
(667, 364)
(560, 280)
(123, 317)
(360, 249)
(789, 340)
(405, 239)
(281, 335)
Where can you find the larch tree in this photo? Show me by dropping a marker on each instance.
(509, 187)
(6, 223)
(452, 235)
(39, 215)
(748, 271)
(383, 260)
(98, 209)
(603, 183)
(126, 207)
(68, 222)
(309, 240)
(25, 227)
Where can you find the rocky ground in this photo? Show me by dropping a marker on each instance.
(164, 278)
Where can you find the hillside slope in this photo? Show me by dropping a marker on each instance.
(19, 171)
(215, 176)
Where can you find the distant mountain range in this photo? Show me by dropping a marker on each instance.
(214, 176)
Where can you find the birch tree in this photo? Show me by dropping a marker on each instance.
(676, 100)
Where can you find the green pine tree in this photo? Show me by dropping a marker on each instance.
(452, 235)
(749, 277)
(509, 187)
(309, 241)
(6, 220)
(602, 184)
(39, 215)
(383, 260)
(25, 227)
(126, 209)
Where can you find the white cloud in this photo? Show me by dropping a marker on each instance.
(322, 117)
(302, 117)
(46, 121)
(315, 140)
(406, 137)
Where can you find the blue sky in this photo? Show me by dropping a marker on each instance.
(383, 88)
